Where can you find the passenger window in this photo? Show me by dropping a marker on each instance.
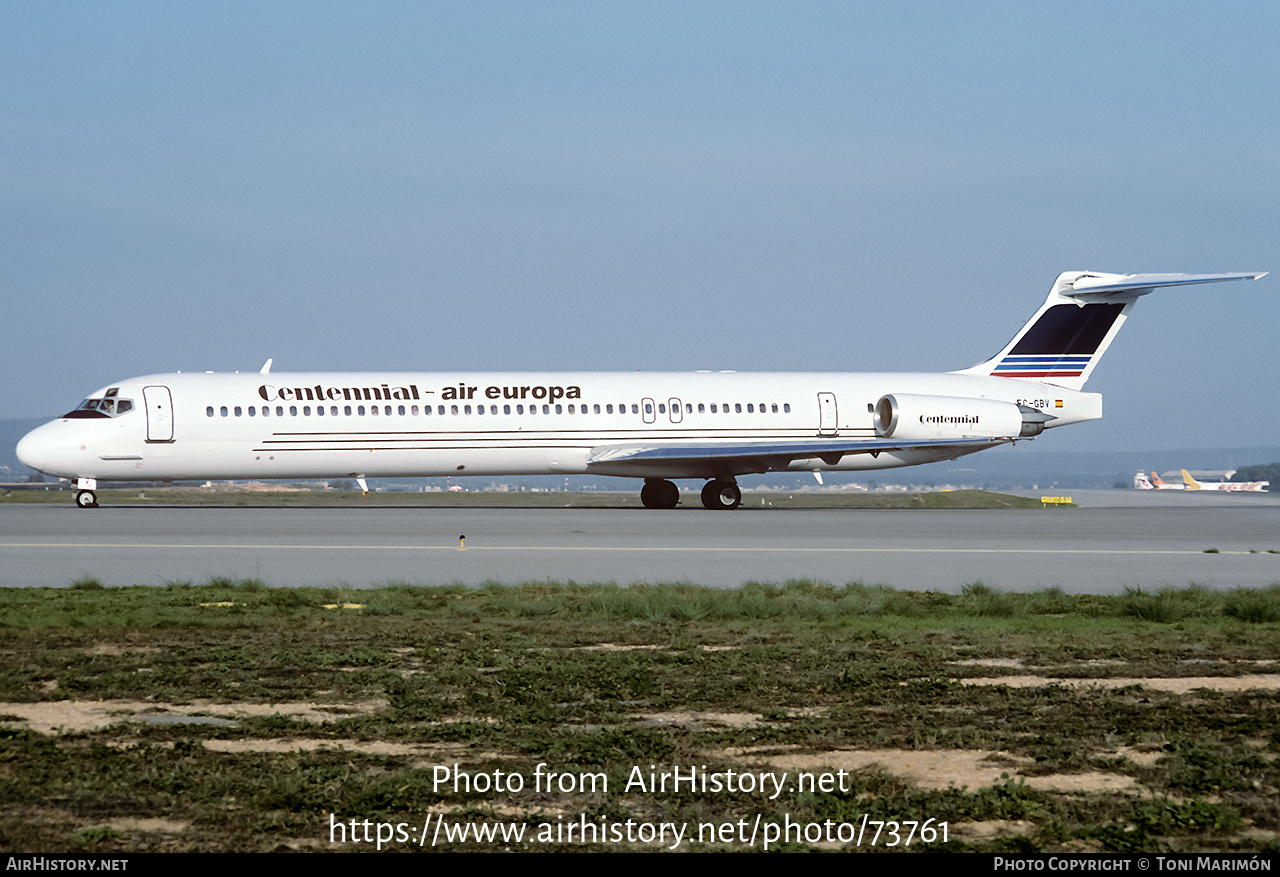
(559, 409)
(453, 409)
(293, 410)
(209, 411)
(223, 410)
(252, 411)
(786, 406)
(306, 410)
(506, 409)
(346, 409)
(320, 410)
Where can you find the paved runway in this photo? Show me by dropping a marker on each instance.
(1118, 539)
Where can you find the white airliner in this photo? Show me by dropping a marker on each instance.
(1141, 482)
(1251, 486)
(656, 426)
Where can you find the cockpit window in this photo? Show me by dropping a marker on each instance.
(109, 405)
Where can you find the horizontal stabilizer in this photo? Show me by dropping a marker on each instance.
(1105, 287)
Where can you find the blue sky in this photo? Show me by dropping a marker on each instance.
(656, 186)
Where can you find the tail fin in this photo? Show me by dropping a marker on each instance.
(1140, 482)
(1191, 483)
(1155, 479)
(1067, 336)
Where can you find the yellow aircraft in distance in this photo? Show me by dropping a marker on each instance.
(1252, 486)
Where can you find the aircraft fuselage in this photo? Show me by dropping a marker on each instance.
(315, 425)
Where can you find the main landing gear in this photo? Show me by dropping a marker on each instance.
(719, 494)
(658, 493)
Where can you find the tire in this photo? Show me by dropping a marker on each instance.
(721, 495)
(659, 494)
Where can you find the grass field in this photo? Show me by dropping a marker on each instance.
(229, 715)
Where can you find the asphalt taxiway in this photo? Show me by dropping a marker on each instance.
(1117, 539)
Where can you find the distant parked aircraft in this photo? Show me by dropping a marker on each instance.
(1142, 482)
(1252, 486)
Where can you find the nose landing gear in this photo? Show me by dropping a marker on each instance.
(86, 493)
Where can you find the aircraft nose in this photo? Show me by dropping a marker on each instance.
(31, 451)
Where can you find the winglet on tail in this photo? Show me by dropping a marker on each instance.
(1067, 336)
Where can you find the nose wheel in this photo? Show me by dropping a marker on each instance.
(87, 499)
(721, 495)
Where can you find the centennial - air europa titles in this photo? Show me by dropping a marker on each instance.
(320, 393)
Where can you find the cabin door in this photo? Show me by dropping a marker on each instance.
(159, 405)
(827, 414)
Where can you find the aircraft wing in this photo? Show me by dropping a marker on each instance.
(746, 457)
